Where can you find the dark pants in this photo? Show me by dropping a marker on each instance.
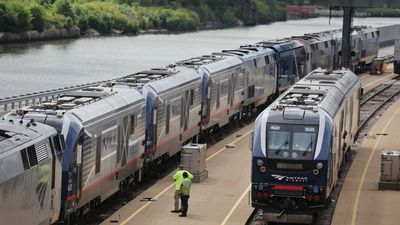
(185, 203)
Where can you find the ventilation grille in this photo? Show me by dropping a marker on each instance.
(41, 151)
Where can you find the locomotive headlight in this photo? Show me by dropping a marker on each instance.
(320, 165)
(263, 169)
(260, 162)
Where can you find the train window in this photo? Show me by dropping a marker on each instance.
(250, 91)
(133, 117)
(224, 87)
(56, 142)
(373, 34)
(32, 155)
(176, 106)
(167, 118)
(326, 44)
(24, 158)
(53, 166)
(267, 59)
(218, 94)
(191, 96)
(98, 155)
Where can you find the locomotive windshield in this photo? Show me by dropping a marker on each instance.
(291, 142)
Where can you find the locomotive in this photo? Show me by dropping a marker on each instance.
(124, 129)
(300, 142)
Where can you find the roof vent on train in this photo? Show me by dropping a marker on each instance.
(139, 79)
(201, 60)
(301, 98)
(70, 100)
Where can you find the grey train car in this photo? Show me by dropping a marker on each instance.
(319, 49)
(173, 107)
(300, 142)
(104, 148)
(291, 61)
(260, 81)
(30, 172)
(222, 88)
(104, 131)
(368, 45)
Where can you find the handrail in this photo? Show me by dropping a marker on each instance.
(14, 102)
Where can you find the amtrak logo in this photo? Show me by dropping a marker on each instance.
(290, 179)
(278, 177)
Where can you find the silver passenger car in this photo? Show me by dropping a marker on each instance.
(222, 87)
(260, 80)
(30, 172)
(173, 111)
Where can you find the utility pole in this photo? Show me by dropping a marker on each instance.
(346, 36)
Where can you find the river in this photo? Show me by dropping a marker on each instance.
(25, 68)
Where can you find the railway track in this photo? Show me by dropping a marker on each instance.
(372, 106)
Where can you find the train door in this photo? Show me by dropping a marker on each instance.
(231, 89)
(340, 138)
(185, 110)
(123, 141)
(57, 146)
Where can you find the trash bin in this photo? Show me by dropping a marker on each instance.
(193, 159)
(377, 66)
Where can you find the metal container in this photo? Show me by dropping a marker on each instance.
(193, 159)
(390, 166)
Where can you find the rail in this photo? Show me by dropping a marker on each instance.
(14, 102)
(378, 93)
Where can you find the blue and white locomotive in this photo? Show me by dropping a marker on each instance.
(300, 141)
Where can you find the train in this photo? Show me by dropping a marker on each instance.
(30, 172)
(120, 131)
(301, 140)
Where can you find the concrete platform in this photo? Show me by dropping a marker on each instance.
(222, 198)
(360, 201)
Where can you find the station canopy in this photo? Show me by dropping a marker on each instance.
(358, 3)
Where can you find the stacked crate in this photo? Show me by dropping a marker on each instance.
(390, 170)
(193, 159)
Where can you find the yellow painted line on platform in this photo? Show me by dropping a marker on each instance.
(173, 184)
(385, 77)
(355, 207)
(236, 205)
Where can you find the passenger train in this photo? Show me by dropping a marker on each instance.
(120, 131)
(300, 142)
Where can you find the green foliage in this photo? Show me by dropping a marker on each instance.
(104, 16)
(130, 15)
(17, 17)
(2, 13)
(38, 17)
(64, 7)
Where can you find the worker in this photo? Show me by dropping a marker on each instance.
(178, 178)
(185, 192)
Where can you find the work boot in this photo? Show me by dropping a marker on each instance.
(182, 215)
(175, 211)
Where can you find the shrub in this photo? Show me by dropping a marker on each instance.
(64, 8)
(17, 17)
(38, 17)
(2, 13)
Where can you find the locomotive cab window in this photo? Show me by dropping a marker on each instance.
(291, 142)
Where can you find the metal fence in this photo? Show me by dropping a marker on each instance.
(14, 102)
